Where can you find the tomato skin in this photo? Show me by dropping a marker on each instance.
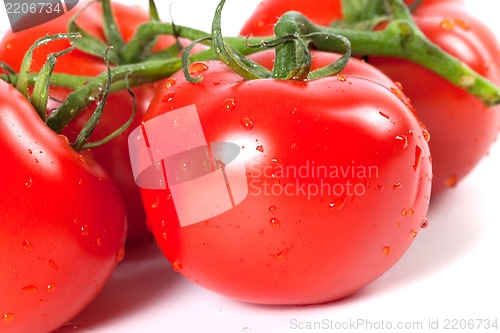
(294, 248)
(62, 227)
(462, 128)
(113, 156)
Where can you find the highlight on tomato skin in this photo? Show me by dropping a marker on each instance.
(63, 222)
(302, 235)
(462, 128)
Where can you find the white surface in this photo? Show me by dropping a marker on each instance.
(450, 272)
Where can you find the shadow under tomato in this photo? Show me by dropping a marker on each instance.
(143, 276)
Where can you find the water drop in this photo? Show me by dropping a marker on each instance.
(85, 230)
(451, 181)
(177, 266)
(402, 140)
(8, 318)
(260, 148)
(184, 165)
(63, 138)
(120, 253)
(27, 246)
(424, 224)
(53, 265)
(29, 183)
(197, 67)
(282, 255)
(426, 134)
(273, 209)
(50, 287)
(229, 104)
(168, 97)
(80, 181)
(397, 186)
(386, 250)
(337, 204)
(275, 223)
(341, 78)
(404, 212)
(413, 233)
(81, 158)
(170, 82)
(98, 242)
(418, 157)
(29, 290)
(383, 114)
(293, 146)
(247, 123)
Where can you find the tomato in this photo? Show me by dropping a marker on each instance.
(114, 155)
(462, 128)
(62, 222)
(322, 186)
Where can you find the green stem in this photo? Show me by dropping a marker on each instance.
(121, 78)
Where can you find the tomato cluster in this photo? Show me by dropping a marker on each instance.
(266, 190)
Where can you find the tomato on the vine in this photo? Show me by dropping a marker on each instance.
(336, 171)
(113, 156)
(62, 222)
(462, 128)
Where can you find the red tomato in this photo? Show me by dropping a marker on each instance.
(114, 155)
(336, 171)
(62, 223)
(462, 128)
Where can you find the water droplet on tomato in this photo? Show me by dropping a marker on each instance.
(413, 233)
(81, 158)
(260, 148)
(383, 114)
(424, 224)
(170, 82)
(197, 67)
(98, 242)
(247, 123)
(451, 181)
(397, 186)
(53, 265)
(229, 104)
(85, 230)
(386, 250)
(50, 287)
(426, 134)
(80, 181)
(27, 246)
(29, 290)
(411, 211)
(120, 253)
(341, 78)
(168, 97)
(402, 140)
(177, 266)
(282, 255)
(29, 183)
(337, 204)
(404, 212)
(8, 318)
(275, 223)
(418, 157)
(273, 209)
(63, 138)
(293, 146)
(184, 165)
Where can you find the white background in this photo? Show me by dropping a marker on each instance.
(450, 272)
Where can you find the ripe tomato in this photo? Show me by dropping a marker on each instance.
(113, 156)
(62, 223)
(463, 129)
(329, 188)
